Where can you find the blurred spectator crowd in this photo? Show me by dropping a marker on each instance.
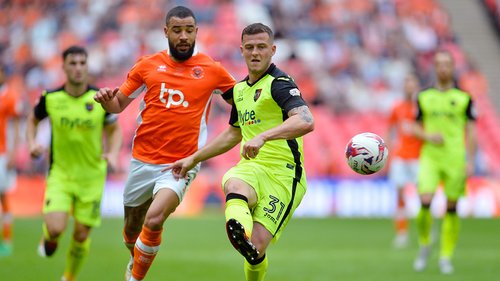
(349, 57)
(493, 8)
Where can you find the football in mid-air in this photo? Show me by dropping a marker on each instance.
(366, 153)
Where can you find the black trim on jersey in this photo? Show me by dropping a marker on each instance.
(419, 116)
(294, 147)
(227, 95)
(40, 111)
(282, 88)
(233, 117)
(269, 70)
(51, 153)
(289, 207)
(470, 112)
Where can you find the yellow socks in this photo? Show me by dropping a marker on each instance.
(449, 234)
(424, 225)
(77, 254)
(237, 208)
(257, 271)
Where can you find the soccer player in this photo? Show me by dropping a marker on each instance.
(10, 111)
(180, 82)
(403, 168)
(447, 156)
(269, 118)
(77, 172)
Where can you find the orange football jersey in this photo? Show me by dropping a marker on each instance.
(402, 116)
(9, 107)
(172, 123)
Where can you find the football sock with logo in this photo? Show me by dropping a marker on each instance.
(424, 225)
(237, 208)
(449, 234)
(145, 251)
(77, 255)
(129, 241)
(256, 271)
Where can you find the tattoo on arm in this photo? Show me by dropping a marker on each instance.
(303, 112)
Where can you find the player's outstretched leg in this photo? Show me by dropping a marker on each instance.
(240, 241)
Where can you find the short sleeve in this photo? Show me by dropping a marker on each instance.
(40, 110)
(134, 84)
(419, 116)
(226, 81)
(286, 93)
(471, 112)
(233, 117)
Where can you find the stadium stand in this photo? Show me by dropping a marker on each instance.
(493, 8)
(349, 58)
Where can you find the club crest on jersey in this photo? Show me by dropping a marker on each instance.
(89, 106)
(257, 94)
(162, 68)
(197, 72)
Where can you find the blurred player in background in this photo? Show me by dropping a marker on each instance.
(77, 172)
(447, 156)
(269, 118)
(179, 84)
(10, 111)
(403, 168)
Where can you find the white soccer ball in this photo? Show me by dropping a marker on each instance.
(366, 153)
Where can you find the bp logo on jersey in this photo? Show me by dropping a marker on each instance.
(174, 98)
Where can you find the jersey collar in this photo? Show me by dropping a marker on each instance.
(271, 68)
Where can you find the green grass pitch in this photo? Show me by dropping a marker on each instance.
(310, 250)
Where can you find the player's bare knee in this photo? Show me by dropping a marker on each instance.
(80, 236)
(55, 229)
(426, 200)
(155, 222)
(239, 187)
(132, 224)
(451, 207)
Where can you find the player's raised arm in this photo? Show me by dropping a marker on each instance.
(112, 100)
(226, 140)
(300, 122)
